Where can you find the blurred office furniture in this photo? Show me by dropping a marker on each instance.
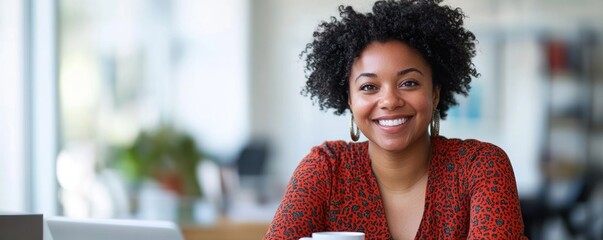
(226, 230)
(573, 182)
(252, 158)
(246, 215)
(244, 178)
(247, 190)
(576, 202)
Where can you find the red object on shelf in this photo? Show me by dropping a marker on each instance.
(557, 53)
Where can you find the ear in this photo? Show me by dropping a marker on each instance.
(436, 96)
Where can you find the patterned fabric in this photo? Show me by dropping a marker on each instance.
(471, 194)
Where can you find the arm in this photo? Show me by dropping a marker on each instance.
(302, 210)
(495, 211)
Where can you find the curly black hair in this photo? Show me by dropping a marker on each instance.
(436, 31)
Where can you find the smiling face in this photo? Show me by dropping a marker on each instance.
(392, 95)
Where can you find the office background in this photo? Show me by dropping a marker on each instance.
(82, 79)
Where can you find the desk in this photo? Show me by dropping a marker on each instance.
(226, 230)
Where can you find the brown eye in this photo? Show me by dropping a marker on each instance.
(367, 87)
(409, 84)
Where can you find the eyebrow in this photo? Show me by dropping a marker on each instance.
(400, 73)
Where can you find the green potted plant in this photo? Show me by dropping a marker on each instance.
(167, 156)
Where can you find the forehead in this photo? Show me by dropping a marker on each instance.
(390, 54)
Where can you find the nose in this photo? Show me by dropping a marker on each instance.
(391, 99)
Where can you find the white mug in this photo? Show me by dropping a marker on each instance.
(336, 236)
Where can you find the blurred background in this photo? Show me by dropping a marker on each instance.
(190, 110)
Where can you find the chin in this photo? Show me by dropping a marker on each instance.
(398, 144)
(392, 145)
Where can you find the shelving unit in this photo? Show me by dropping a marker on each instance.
(570, 164)
(568, 103)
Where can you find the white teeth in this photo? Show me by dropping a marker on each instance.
(392, 122)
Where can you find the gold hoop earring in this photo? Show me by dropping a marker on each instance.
(434, 126)
(355, 135)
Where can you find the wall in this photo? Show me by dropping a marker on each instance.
(211, 78)
(12, 108)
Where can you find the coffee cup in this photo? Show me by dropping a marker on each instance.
(335, 236)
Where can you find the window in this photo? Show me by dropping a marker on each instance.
(28, 106)
(127, 66)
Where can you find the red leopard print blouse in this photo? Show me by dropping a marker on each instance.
(471, 194)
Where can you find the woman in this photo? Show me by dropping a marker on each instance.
(396, 70)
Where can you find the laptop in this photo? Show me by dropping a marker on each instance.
(62, 228)
(21, 226)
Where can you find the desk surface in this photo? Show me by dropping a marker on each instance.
(226, 230)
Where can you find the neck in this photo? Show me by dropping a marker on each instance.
(399, 172)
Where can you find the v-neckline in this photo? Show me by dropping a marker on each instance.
(427, 201)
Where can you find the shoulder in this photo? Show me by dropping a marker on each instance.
(476, 159)
(333, 157)
(468, 148)
(472, 155)
(324, 163)
(337, 150)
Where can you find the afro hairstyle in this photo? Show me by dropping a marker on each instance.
(434, 30)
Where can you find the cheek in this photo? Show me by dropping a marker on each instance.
(426, 106)
(423, 105)
(355, 101)
(428, 101)
(361, 105)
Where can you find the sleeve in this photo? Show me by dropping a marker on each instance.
(495, 210)
(303, 208)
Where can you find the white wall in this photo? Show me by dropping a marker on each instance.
(212, 78)
(28, 112)
(12, 168)
(43, 117)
